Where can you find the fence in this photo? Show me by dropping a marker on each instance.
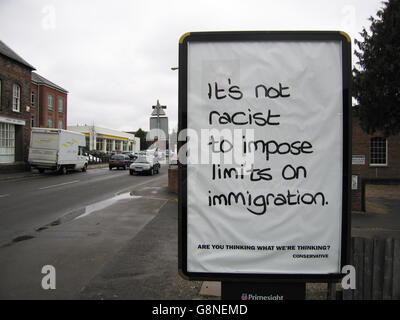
(377, 264)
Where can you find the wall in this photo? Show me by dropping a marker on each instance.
(173, 179)
(34, 107)
(370, 173)
(45, 113)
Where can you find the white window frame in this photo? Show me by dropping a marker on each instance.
(7, 143)
(60, 105)
(16, 104)
(32, 98)
(373, 147)
(49, 122)
(50, 102)
(60, 124)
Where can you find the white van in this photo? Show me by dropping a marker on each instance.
(57, 150)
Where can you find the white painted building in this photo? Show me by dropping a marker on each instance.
(108, 140)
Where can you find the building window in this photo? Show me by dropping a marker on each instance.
(0, 95)
(33, 98)
(378, 151)
(87, 142)
(50, 102)
(99, 144)
(7, 143)
(60, 105)
(32, 121)
(60, 124)
(49, 123)
(16, 98)
(109, 145)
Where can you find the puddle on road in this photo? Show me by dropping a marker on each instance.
(85, 211)
(22, 238)
(16, 240)
(106, 203)
(77, 214)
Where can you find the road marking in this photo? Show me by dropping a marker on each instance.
(4, 195)
(58, 185)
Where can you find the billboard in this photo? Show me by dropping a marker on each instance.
(264, 192)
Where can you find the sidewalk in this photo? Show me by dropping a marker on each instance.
(4, 176)
(155, 274)
(147, 268)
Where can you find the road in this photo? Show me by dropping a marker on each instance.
(77, 223)
(32, 202)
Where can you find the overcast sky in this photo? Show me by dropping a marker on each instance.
(115, 57)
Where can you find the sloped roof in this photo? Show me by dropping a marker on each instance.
(38, 79)
(8, 52)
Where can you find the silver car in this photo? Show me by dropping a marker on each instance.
(145, 164)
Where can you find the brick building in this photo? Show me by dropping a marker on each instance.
(15, 90)
(48, 103)
(375, 159)
(26, 99)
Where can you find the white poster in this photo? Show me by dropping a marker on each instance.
(264, 175)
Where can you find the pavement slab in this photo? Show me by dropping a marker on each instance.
(147, 267)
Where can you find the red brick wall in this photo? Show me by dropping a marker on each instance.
(12, 73)
(361, 146)
(173, 179)
(45, 113)
(34, 106)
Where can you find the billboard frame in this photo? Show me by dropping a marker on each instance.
(243, 36)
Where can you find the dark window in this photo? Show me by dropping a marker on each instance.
(378, 151)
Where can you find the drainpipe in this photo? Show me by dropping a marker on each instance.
(38, 104)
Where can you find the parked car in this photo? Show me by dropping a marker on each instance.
(130, 154)
(119, 161)
(92, 159)
(146, 164)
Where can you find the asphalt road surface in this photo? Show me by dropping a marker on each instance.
(34, 201)
(77, 223)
